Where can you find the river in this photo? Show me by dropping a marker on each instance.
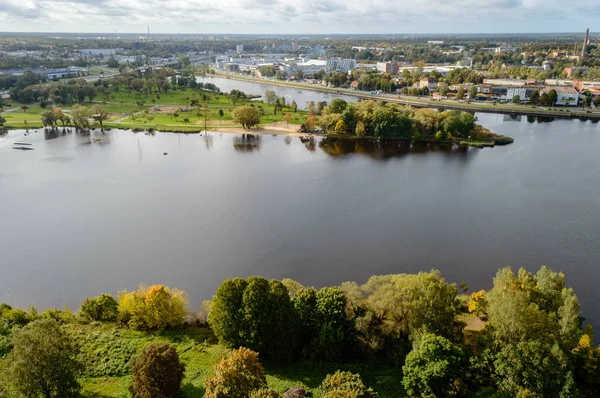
(301, 96)
(86, 214)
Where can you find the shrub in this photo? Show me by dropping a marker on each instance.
(103, 308)
(345, 384)
(156, 372)
(154, 307)
(477, 303)
(236, 376)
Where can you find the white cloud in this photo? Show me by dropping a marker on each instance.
(309, 16)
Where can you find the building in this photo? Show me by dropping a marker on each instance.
(99, 52)
(505, 49)
(390, 67)
(340, 65)
(429, 83)
(239, 48)
(435, 42)
(295, 46)
(581, 85)
(571, 71)
(566, 96)
(524, 93)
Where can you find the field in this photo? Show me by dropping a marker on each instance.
(170, 110)
(107, 349)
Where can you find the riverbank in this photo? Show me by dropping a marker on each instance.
(508, 108)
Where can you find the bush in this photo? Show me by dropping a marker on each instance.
(345, 384)
(154, 307)
(264, 393)
(156, 372)
(236, 376)
(103, 308)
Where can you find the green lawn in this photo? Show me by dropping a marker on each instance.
(107, 349)
(121, 104)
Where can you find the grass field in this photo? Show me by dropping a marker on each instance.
(134, 110)
(106, 351)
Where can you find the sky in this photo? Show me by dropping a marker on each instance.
(299, 16)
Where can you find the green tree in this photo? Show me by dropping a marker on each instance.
(98, 113)
(80, 115)
(461, 93)
(247, 116)
(270, 97)
(538, 307)
(112, 63)
(48, 118)
(221, 114)
(43, 361)
(226, 317)
(533, 368)
(516, 99)
(433, 368)
(294, 107)
(153, 307)
(360, 129)
(472, 92)
(534, 98)
(156, 372)
(552, 97)
(545, 100)
(2, 120)
(236, 376)
(597, 101)
(103, 308)
(345, 384)
(337, 105)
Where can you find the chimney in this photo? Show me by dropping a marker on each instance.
(585, 42)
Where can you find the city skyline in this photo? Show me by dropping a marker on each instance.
(277, 16)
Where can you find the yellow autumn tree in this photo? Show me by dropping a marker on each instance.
(340, 126)
(153, 307)
(477, 303)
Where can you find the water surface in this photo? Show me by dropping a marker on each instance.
(82, 216)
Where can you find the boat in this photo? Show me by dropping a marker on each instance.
(22, 143)
(23, 148)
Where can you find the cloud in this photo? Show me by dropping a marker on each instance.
(308, 16)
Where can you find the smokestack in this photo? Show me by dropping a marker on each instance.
(585, 42)
(148, 29)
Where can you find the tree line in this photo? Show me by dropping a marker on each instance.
(528, 340)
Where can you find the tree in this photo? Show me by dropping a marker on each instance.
(247, 116)
(516, 99)
(270, 97)
(287, 118)
(552, 97)
(122, 68)
(2, 120)
(48, 118)
(156, 372)
(534, 369)
(221, 114)
(80, 115)
(24, 108)
(433, 368)
(443, 89)
(103, 308)
(345, 384)
(137, 84)
(340, 126)
(472, 92)
(597, 101)
(236, 376)
(360, 129)
(587, 100)
(226, 317)
(112, 63)
(534, 98)
(295, 106)
(337, 105)
(299, 73)
(43, 361)
(98, 113)
(461, 93)
(545, 100)
(153, 307)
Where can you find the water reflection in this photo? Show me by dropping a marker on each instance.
(309, 143)
(247, 142)
(385, 149)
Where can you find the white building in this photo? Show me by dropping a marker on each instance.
(505, 49)
(566, 96)
(239, 48)
(97, 52)
(340, 64)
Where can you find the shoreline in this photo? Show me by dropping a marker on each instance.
(561, 113)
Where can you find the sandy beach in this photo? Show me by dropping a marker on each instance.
(280, 128)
